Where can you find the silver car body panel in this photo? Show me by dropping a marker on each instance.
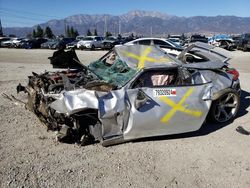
(164, 115)
(70, 102)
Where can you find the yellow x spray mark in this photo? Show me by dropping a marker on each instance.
(179, 107)
(144, 57)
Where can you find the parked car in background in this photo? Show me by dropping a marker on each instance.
(7, 43)
(110, 42)
(197, 38)
(80, 37)
(244, 42)
(167, 45)
(126, 39)
(32, 43)
(48, 44)
(223, 41)
(236, 39)
(4, 39)
(16, 42)
(61, 43)
(12, 43)
(72, 44)
(90, 42)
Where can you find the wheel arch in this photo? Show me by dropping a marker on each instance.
(221, 92)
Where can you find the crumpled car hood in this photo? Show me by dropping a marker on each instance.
(73, 101)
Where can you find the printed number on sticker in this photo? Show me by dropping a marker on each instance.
(164, 92)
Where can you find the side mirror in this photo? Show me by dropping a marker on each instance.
(141, 99)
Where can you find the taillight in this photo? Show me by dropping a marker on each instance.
(234, 72)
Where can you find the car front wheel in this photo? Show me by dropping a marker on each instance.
(225, 108)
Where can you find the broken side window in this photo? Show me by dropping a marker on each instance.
(156, 78)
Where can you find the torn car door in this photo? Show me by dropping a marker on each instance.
(112, 113)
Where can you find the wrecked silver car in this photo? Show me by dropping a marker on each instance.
(132, 92)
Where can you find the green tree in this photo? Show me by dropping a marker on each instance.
(68, 34)
(39, 31)
(34, 33)
(73, 32)
(89, 33)
(49, 33)
(95, 32)
(107, 34)
(76, 33)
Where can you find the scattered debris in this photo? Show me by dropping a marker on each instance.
(241, 130)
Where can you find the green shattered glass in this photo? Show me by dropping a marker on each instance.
(117, 74)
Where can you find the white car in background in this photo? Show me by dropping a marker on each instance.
(12, 43)
(167, 45)
(90, 42)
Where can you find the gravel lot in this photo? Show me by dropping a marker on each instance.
(215, 156)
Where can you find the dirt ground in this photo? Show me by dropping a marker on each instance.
(215, 156)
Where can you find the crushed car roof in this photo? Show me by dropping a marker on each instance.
(140, 56)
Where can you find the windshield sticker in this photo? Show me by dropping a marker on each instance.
(164, 92)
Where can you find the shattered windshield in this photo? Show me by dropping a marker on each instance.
(117, 74)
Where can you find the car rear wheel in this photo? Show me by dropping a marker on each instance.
(225, 108)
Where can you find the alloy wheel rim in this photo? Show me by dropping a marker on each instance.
(226, 107)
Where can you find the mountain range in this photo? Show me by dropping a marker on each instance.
(144, 23)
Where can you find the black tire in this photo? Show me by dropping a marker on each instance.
(93, 47)
(245, 48)
(225, 108)
(87, 140)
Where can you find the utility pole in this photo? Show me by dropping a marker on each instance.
(105, 25)
(1, 29)
(65, 28)
(120, 30)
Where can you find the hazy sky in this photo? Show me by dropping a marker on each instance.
(31, 12)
